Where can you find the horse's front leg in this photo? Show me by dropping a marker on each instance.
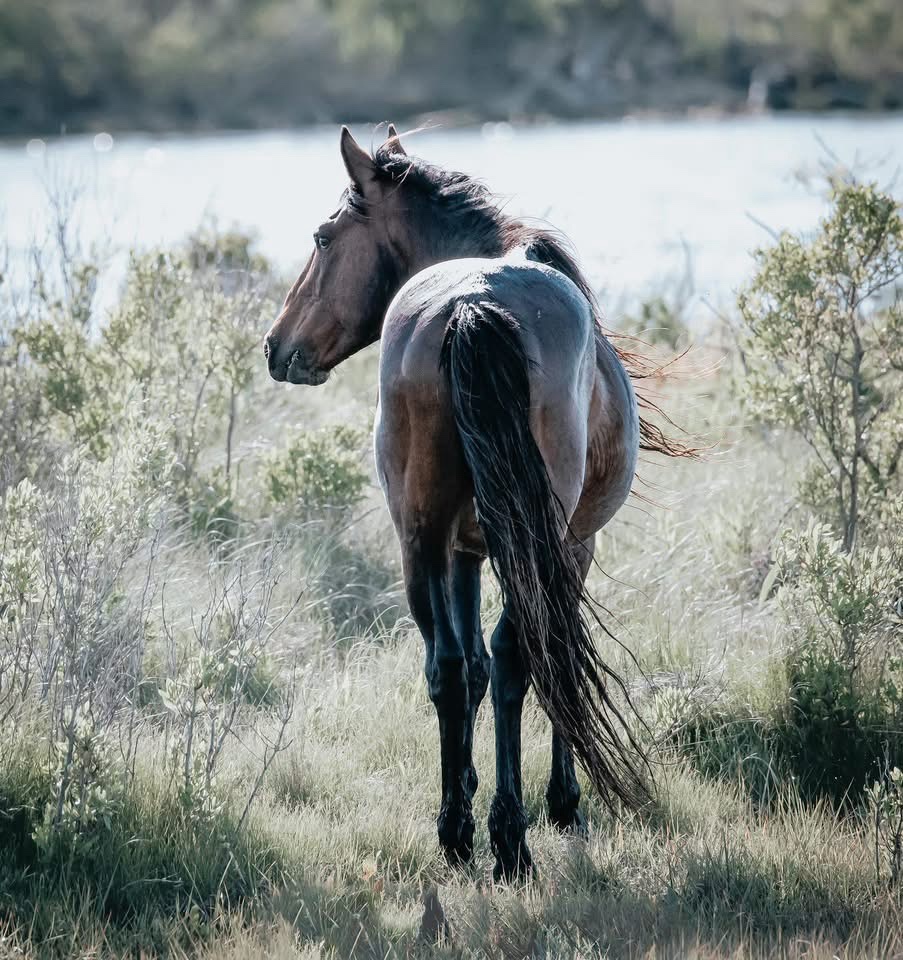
(427, 577)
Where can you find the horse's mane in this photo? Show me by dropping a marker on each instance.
(475, 211)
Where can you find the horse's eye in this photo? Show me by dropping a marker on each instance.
(321, 241)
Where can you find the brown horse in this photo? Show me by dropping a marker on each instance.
(507, 427)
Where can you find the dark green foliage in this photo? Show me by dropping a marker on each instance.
(838, 718)
(359, 591)
(150, 862)
(251, 63)
(827, 737)
(838, 730)
(212, 510)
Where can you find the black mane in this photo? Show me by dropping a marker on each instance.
(475, 211)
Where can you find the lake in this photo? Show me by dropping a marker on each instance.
(639, 199)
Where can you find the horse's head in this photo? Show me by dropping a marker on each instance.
(337, 304)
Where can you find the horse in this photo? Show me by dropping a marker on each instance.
(507, 428)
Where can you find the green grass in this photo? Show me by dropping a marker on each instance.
(342, 845)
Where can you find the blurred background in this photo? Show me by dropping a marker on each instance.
(685, 125)
(212, 64)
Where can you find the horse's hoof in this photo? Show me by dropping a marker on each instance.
(571, 821)
(507, 837)
(459, 855)
(513, 865)
(456, 829)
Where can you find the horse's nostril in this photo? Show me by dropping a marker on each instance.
(270, 346)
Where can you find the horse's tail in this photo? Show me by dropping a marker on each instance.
(523, 524)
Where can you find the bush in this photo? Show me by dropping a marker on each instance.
(126, 877)
(886, 800)
(315, 482)
(179, 353)
(836, 716)
(212, 511)
(825, 351)
(844, 716)
(318, 474)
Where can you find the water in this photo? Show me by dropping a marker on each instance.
(638, 199)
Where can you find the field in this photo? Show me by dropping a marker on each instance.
(216, 734)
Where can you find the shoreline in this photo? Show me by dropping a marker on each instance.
(451, 121)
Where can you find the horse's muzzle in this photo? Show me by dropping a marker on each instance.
(298, 372)
(276, 367)
(295, 368)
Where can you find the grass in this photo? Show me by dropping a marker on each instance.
(311, 831)
(340, 848)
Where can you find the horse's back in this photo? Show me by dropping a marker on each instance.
(554, 318)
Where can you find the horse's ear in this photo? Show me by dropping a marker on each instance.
(359, 164)
(395, 141)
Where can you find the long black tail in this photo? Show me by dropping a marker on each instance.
(521, 519)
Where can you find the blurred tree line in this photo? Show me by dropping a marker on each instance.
(187, 64)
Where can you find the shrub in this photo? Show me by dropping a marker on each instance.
(356, 589)
(227, 251)
(178, 352)
(24, 431)
(886, 801)
(136, 878)
(836, 717)
(212, 510)
(844, 709)
(825, 350)
(825, 358)
(318, 474)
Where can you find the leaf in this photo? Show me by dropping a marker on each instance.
(769, 582)
(168, 704)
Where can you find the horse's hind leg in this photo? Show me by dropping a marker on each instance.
(427, 567)
(507, 816)
(466, 614)
(563, 791)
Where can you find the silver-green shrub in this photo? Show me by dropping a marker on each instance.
(825, 351)
(317, 473)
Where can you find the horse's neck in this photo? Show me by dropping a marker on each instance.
(453, 241)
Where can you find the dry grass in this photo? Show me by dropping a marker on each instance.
(342, 837)
(338, 857)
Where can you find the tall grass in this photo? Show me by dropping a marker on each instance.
(216, 738)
